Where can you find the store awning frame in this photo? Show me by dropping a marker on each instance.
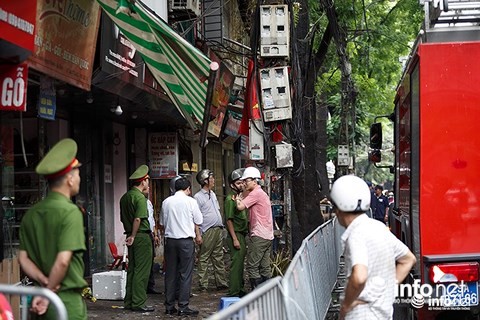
(181, 69)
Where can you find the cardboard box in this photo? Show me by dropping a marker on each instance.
(109, 285)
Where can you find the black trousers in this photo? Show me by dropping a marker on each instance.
(179, 255)
(151, 279)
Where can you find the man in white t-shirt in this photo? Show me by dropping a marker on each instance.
(375, 259)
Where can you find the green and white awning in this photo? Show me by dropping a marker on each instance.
(180, 68)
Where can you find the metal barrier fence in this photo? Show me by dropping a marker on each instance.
(305, 290)
(35, 291)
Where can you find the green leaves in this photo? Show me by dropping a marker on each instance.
(379, 33)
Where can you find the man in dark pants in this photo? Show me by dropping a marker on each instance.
(155, 243)
(380, 205)
(134, 216)
(181, 220)
(52, 239)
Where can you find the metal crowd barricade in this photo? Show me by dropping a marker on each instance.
(312, 274)
(305, 290)
(265, 302)
(35, 291)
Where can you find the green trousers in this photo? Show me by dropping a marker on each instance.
(237, 265)
(211, 250)
(258, 257)
(74, 303)
(139, 267)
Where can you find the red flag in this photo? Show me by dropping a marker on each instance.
(277, 132)
(243, 127)
(251, 108)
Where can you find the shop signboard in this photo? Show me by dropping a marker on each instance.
(65, 40)
(118, 56)
(47, 100)
(230, 133)
(13, 82)
(163, 155)
(221, 95)
(17, 22)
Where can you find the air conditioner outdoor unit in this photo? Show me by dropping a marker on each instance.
(190, 6)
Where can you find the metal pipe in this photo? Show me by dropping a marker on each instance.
(35, 291)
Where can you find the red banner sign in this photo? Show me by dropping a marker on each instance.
(13, 86)
(17, 22)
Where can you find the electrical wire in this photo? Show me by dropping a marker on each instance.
(22, 141)
(205, 14)
(297, 124)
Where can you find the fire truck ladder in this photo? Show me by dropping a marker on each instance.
(451, 13)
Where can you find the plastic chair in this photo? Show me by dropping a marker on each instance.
(117, 259)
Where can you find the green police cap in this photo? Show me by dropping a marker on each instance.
(140, 174)
(60, 160)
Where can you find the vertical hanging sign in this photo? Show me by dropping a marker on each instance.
(13, 86)
(47, 100)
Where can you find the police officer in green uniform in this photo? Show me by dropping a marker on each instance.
(52, 239)
(134, 216)
(237, 226)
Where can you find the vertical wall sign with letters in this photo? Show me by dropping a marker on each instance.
(13, 86)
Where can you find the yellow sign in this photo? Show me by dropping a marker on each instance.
(194, 167)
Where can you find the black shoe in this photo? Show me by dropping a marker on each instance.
(153, 291)
(187, 312)
(171, 311)
(239, 295)
(144, 309)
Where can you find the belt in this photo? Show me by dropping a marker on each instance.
(145, 231)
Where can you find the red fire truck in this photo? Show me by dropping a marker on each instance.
(437, 163)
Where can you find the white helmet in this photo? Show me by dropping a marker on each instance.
(251, 172)
(350, 194)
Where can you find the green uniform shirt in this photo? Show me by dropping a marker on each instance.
(240, 218)
(133, 204)
(53, 225)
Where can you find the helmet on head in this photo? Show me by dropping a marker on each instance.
(172, 184)
(350, 194)
(203, 175)
(235, 175)
(251, 172)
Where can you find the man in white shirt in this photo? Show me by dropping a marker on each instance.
(181, 221)
(375, 259)
(155, 243)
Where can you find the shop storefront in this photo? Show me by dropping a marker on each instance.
(112, 113)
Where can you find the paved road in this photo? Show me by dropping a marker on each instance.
(206, 302)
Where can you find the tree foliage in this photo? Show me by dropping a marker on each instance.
(378, 33)
(344, 63)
